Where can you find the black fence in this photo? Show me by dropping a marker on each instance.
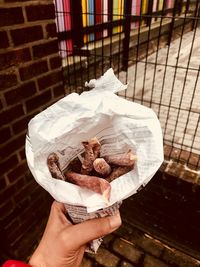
(151, 45)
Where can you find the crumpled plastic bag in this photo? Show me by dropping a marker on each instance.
(119, 125)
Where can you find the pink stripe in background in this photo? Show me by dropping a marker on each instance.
(61, 26)
(170, 4)
(154, 8)
(68, 25)
(133, 12)
(105, 16)
(138, 10)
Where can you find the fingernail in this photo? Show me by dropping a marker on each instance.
(115, 221)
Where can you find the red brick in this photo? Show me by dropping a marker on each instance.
(6, 207)
(38, 101)
(1, 105)
(33, 207)
(25, 191)
(8, 192)
(2, 183)
(5, 134)
(11, 227)
(38, 191)
(11, 16)
(28, 219)
(17, 172)
(45, 49)
(27, 35)
(22, 205)
(21, 125)
(184, 155)
(8, 164)
(9, 115)
(4, 39)
(141, 240)
(12, 146)
(176, 258)
(40, 12)
(14, 235)
(51, 30)
(7, 80)
(33, 70)
(50, 79)
(175, 152)
(22, 154)
(127, 250)
(55, 62)
(167, 150)
(106, 258)
(14, 57)
(150, 261)
(25, 240)
(22, 92)
(194, 159)
(58, 91)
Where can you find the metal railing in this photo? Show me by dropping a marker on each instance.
(154, 47)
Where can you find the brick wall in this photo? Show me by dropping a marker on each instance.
(30, 80)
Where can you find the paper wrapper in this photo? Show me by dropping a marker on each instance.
(119, 125)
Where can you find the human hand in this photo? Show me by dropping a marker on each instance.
(63, 244)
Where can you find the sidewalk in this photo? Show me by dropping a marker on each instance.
(171, 91)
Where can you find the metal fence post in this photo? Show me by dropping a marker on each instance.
(77, 24)
(127, 29)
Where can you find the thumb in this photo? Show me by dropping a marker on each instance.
(95, 228)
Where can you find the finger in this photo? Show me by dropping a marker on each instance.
(59, 206)
(95, 228)
(58, 215)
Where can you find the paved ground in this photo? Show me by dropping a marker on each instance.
(160, 228)
(174, 93)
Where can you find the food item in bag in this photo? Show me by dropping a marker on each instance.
(54, 166)
(118, 171)
(118, 124)
(102, 167)
(92, 151)
(126, 159)
(93, 183)
(95, 172)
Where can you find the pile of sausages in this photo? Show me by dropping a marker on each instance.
(95, 173)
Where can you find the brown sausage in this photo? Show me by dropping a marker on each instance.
(118, 171)
(96, 147)
(126, 159)
(93, 183)
(92, 151)
(102, 167)
(54, 166)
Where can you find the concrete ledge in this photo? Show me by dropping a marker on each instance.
(181, 164)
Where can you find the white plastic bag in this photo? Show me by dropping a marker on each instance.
(118, 124)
